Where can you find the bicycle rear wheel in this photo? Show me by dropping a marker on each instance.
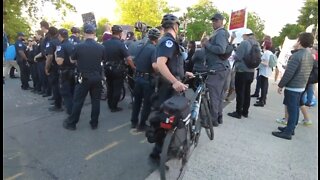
(206, 118)
(175, 154)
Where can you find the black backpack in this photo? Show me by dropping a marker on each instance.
(253, 59)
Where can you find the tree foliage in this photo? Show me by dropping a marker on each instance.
(256, 24)
(309, 13)
(100, 27)
(147, 11)
(14, 20)
(68, 26)
(290, 30)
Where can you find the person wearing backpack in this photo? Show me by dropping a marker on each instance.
(247, 58)
(265, 71)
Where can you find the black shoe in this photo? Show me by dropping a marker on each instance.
(41, 93)
(13, 77)
(215, 123)
(283, 128)
(26, 88)
(141, 128)
(55, 109)
(93, 127)
(254, 95)
(244, 115)
(154, 156)
(46, 95)
(282, 135)
(259, 104)
(235, 115)
(69, 127)
(116, 109)
(133, 125)
(50, 99)
(220, 119)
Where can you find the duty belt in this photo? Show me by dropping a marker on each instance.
(143, 75)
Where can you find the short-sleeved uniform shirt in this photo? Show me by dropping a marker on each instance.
(146, 55)
(89, 55)
(168, 47)
(65, 50)
(20, 46)
(51, 47)
(74, 40)
(116, 50)
(44, 42)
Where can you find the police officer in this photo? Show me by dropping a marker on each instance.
(143, 89)
(74, 38)
(22, 60)
(51, 69)
(88, 55)
(41, 59)
(170, 66)
(66, 69)
(116, 52)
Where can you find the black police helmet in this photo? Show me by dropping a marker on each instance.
(169, 20)
(154, 33)
(75, 30)
(116, 28)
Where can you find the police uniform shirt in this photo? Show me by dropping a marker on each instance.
(65, 50)
(145, 57)
(44, 42)
(168, 47)
(89, 55)
(20, 46)
(115, 50)
(74, 39)
(51, 48)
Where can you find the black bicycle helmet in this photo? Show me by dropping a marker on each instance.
(75, 30)
(169, 20)
(154, 33)
(116, 28)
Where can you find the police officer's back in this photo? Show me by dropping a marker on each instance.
(66, 69)
(74, 38)
(88, 55)
(116, 53)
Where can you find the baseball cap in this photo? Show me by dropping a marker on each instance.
(20, 34)
(217, 16)
(248, 32)
(89, 29)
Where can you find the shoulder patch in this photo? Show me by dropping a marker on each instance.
(20, 45)
(48, 44)
(126, 46)
(58, 48)
(169, 43)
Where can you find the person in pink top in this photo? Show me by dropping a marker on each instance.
(107, 34)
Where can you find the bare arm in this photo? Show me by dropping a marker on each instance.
(23, 55)
(130, 62)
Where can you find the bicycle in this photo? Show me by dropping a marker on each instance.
(176, 148)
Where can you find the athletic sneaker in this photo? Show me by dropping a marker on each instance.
(282, 121)
(307, 122)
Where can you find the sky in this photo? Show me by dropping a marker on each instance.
(275, 13)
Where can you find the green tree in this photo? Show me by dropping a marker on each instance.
(68, 26)
(256, 24)
(147, 11)
(197, 19)
(290, 30)
(14, 21)
(309, 13)
(100, 27)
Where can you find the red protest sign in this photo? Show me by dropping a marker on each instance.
(237, 19)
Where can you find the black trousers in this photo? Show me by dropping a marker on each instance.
(264, 88)
(258, 85)
(115, 80)
(35, 76)
(243, 82)
(12, 71)
(91, 84)
(54, 81)
(24, 73)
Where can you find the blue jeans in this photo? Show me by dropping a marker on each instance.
(292, 101)
(309, 91)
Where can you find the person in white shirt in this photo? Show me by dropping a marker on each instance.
(264, 72)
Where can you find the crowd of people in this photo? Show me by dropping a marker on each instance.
(67, 69)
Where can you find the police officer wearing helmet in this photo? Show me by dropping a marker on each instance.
(51, 69)
(66, 69)
(144, 60)
(22, 60)
(116, 53)
(170, 65)
(88, 55)
(74, 38)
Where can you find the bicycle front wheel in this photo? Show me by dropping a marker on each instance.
(175, 154)
(206, 118)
